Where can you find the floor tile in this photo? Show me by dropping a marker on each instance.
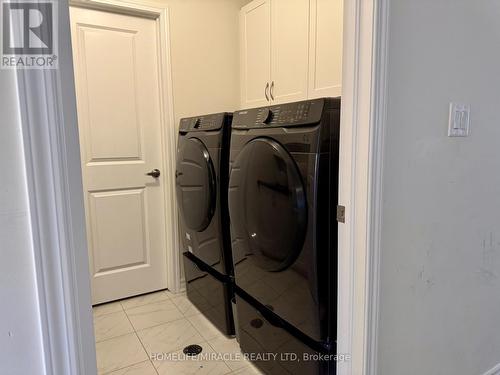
(247, 370)
(206, 329)
(185, 306)
(202, 364)
(153, 314)
(119, 352)
(172, 295)
(111, 325)
(130, 303)
(107, 308)
(225, 345)
(169, 337)
(144, 368)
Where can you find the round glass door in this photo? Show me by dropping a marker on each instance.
(195, 184)
(267, 204)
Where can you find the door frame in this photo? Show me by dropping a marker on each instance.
(364, 102)
(51, 147)
(53, 167)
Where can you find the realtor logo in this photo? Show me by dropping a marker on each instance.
(29, 33)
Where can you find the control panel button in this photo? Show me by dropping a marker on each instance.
(269, 117)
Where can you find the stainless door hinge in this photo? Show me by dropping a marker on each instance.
(341, 214)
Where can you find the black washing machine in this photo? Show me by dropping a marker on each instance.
(201, 185)
(283, 194)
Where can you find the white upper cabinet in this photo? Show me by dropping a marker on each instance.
(325, 51)
(291, 50)
(255, 53)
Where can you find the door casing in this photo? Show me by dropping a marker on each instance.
(52, 156)
(50, 136)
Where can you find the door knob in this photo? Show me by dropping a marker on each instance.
(154, 173)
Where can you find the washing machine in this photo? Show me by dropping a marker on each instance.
(283, 196)
(201, 185)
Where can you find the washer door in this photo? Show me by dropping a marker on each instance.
(267, 204)
(195, 185)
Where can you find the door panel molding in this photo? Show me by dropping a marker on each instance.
(323, 50)
(289, 60)
(129, 111)
(260, 94)
(100, 215)
(53, 169)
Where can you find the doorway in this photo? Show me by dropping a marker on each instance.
(62, 231)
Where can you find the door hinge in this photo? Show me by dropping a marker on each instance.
(341, 214)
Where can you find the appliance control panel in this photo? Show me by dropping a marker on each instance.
(202, 123)
(307, 112)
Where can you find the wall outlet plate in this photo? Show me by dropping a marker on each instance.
(459, 120)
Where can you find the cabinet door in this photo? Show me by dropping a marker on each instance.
(325, 55)
(255, 44)
(289, 49)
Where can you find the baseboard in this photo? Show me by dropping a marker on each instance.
(493, 371)
(183, 287)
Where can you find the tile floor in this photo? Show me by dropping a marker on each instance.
(130, 332)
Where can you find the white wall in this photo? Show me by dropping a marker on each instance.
(20, 335)
(205, 55)
(440, 265)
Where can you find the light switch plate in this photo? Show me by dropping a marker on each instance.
(459, 120)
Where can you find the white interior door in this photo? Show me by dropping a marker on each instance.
(255, 44)
(289, 50)
(118, 96)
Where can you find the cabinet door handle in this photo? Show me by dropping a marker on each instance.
(271, 91)
(266, 90)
